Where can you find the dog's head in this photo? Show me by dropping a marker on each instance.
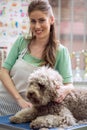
(42, 86)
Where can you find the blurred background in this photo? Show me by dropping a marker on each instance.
(71, 30)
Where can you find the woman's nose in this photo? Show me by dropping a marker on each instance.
(37, 25)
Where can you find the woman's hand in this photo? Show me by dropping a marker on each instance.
(63, 91)
(9, 85)
(23, 103)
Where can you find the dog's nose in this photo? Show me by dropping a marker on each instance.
(31, 94)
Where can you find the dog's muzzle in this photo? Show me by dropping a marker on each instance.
(33, 96)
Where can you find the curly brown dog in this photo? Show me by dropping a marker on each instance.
(45, 111)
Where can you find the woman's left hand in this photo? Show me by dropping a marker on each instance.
(63, 91)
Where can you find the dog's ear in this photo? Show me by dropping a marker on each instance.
(53, 93)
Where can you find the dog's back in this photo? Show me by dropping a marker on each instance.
(76, 102)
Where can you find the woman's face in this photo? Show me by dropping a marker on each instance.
(40, 24)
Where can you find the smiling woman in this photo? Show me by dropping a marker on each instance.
(27, 55)
(40, 24)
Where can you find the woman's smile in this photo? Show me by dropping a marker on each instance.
(38, 32)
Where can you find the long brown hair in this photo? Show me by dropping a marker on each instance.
(49, 53)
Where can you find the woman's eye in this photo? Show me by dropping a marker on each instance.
(33, 21)
(42, 20)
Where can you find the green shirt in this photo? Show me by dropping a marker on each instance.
(62, 65)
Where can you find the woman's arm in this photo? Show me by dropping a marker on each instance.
(64, 67)
(9, 85)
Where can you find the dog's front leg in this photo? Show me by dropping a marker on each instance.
(25, 115)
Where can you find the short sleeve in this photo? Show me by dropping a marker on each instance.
(63, 64)
(14, 52)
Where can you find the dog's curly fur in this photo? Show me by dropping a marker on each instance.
(45, 111)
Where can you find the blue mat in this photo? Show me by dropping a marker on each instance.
(5, 120)
(25, 126)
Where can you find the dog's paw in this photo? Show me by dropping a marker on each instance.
(37, 124)
(15, 119)
(43, 129)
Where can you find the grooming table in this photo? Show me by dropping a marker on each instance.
(5, 124)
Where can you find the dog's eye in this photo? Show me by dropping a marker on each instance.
(42, 87)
